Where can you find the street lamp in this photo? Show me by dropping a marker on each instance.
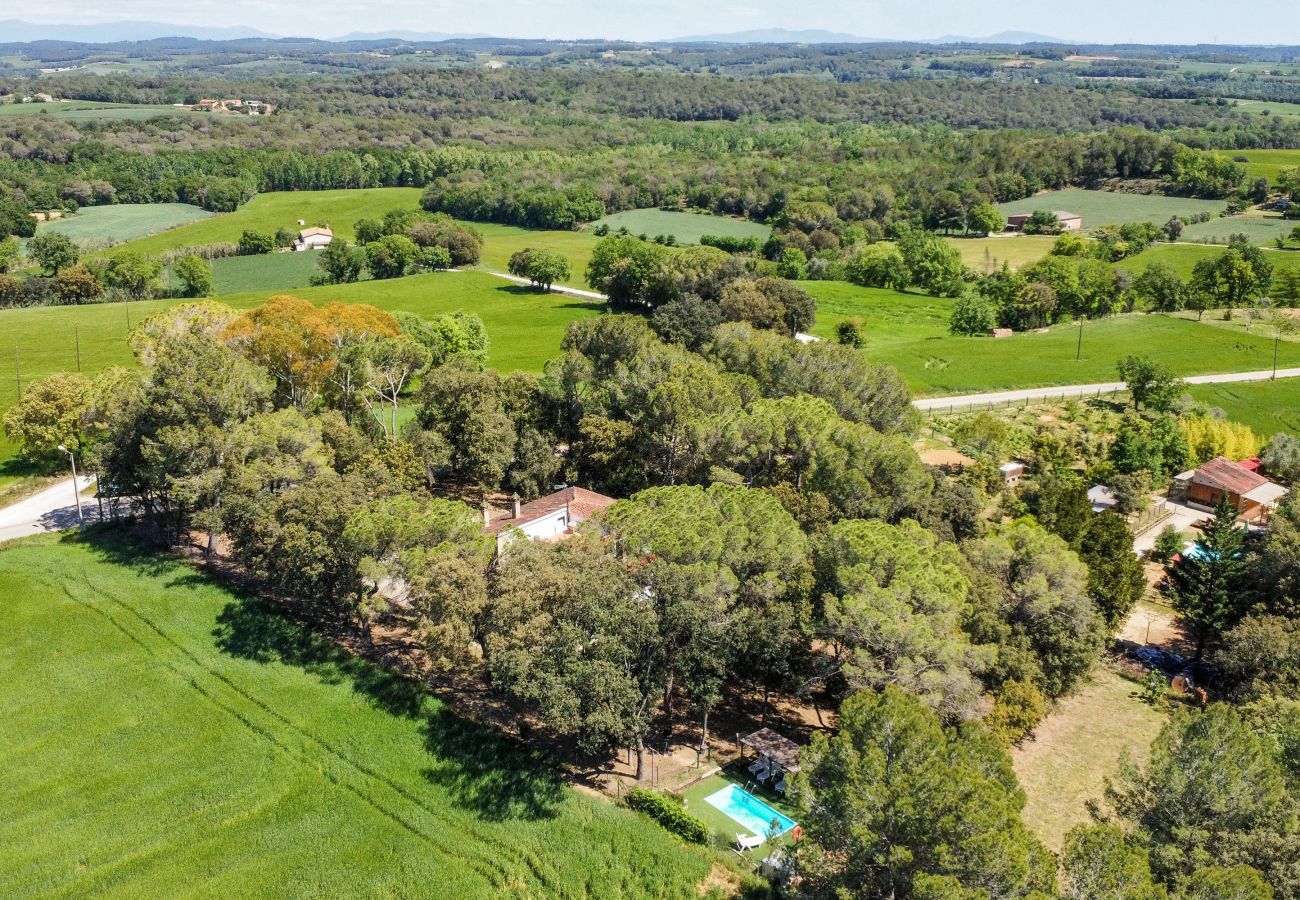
(76, 492)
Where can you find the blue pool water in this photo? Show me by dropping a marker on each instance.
(749, 811)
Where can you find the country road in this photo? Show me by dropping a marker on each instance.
(52, 509)
(964, 401)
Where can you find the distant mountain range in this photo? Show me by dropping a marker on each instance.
(417, 37)
(816, 36)
(15, 31)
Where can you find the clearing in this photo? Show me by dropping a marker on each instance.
(82, 110)
(264, 272)
(1265, 163)
(986, 255)
(282, 209)
(96, 227)
(501, 241)
(1111, 208)
(165, 736)
(1183, 257)
(1258, 226)
(686, 227)
(1064, 764)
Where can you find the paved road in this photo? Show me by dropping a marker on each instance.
(962, 401)
(52, 509)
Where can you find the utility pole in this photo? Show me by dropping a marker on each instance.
(18, 375)
(76, 331)
(76, 492)
(1078, 348)
(1277, 336)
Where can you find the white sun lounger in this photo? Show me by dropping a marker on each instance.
(748, 842)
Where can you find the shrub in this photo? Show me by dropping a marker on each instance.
(849, 332)
(1168, 542)
(253, 243)
(668, 812)
(1017, 709)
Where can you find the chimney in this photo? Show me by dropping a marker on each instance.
(514, 506)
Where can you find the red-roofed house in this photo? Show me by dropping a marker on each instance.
(1251, 494)
(552, 517)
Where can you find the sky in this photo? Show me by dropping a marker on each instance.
(1101, 21)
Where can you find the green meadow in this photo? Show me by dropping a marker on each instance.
(1110, 208)
(1265, 163)
(83, 110)
(1183, 257)
(103, 225)
(165, 736)
(686, 227)
(1266, 406)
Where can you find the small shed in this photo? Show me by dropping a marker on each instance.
(771, 746)
(1012, 472)
(313, 238)
(1102, 498)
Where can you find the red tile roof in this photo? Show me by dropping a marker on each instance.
(1229, 476)
(582, 504)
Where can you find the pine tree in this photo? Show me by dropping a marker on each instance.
(1206, 586)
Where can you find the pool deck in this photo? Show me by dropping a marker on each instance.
(697, 804)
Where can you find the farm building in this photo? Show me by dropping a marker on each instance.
(1069, 221)
(1012, 472)
(552, 517)
(1251, 494)
(313, 238)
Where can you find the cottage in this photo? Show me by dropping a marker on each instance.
(1251, 494)
(1012, 472)
(552, 517)
(313, 238)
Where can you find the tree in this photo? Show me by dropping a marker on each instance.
(850, 332)
(1160, 288)
(447, 335)
(385, 367)
(1042, 221)
(133, 274)
(340, 262)
(879, 265)
(793, 264)
(51, 412)
(1227, 883)
(1206, 585)
(629, 271)
(1281, 457)
(392, 256)
(292, 340)
(972, 314)
(985, 218)
(11, 251)
(1149, 382)
(254, 243)
(541, 267)
(77, 284)
(868, 833)
(894, 600)
(1115, 577)
(1173, 229)
(53, 250)
(195, 275)
(934, 264)
(1100, 862)
(1211, 787)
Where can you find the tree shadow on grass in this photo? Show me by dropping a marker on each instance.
(481, 770)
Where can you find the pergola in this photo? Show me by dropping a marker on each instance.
(780, 750)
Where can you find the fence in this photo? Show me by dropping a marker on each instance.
(1023, 403)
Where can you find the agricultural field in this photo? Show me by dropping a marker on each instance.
(1183, 257)
(501, 241)
(264, 272)
(1267, 109)
(1109, 208)
(910, 332)
(99, 226)
(688, 228)
(524, 328)
(1265, 163)
(1266, 406)
(167, 736)
(1064, 765)
(986, 255)
(271, 211)
(1260, 228)
(87, 110)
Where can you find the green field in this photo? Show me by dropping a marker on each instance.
(1109, 208)
(103, 225)
(82, 110)
(1183, 257)
(165, 736)
(986, 255)
(1260, 228)
(688, 228)
(1266, 406)
(1265, 163)
(268, 212)
(264, 272)
(1268, 109)
(910, 332)
(525, 328)
(500, 241)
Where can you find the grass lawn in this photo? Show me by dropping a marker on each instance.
(688, 228)
(987, 255)
(1260, 228)
(81, 110)
(1266, 163)
(910, 332)
(1110, 208)
(525, 328)
(1267, 109)
(167, 737)
(501, 241)
(722, 824)
(1266, 406)
(282, 209)
(1183, 257)
(1064, 766)
(124, 221)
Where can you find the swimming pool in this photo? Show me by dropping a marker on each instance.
(749, 811)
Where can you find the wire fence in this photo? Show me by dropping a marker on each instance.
(958, 408)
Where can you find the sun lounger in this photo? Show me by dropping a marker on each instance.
(756, 765)
(748, 842)
(780, 786)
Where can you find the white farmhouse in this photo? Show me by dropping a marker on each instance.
(313, 238)
(548, 518)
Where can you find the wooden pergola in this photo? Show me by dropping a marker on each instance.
(780, 750)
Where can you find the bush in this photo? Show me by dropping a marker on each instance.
(849, 332)
(1168, 542)
(1017, 708)
(254, 243)
(668, 812)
